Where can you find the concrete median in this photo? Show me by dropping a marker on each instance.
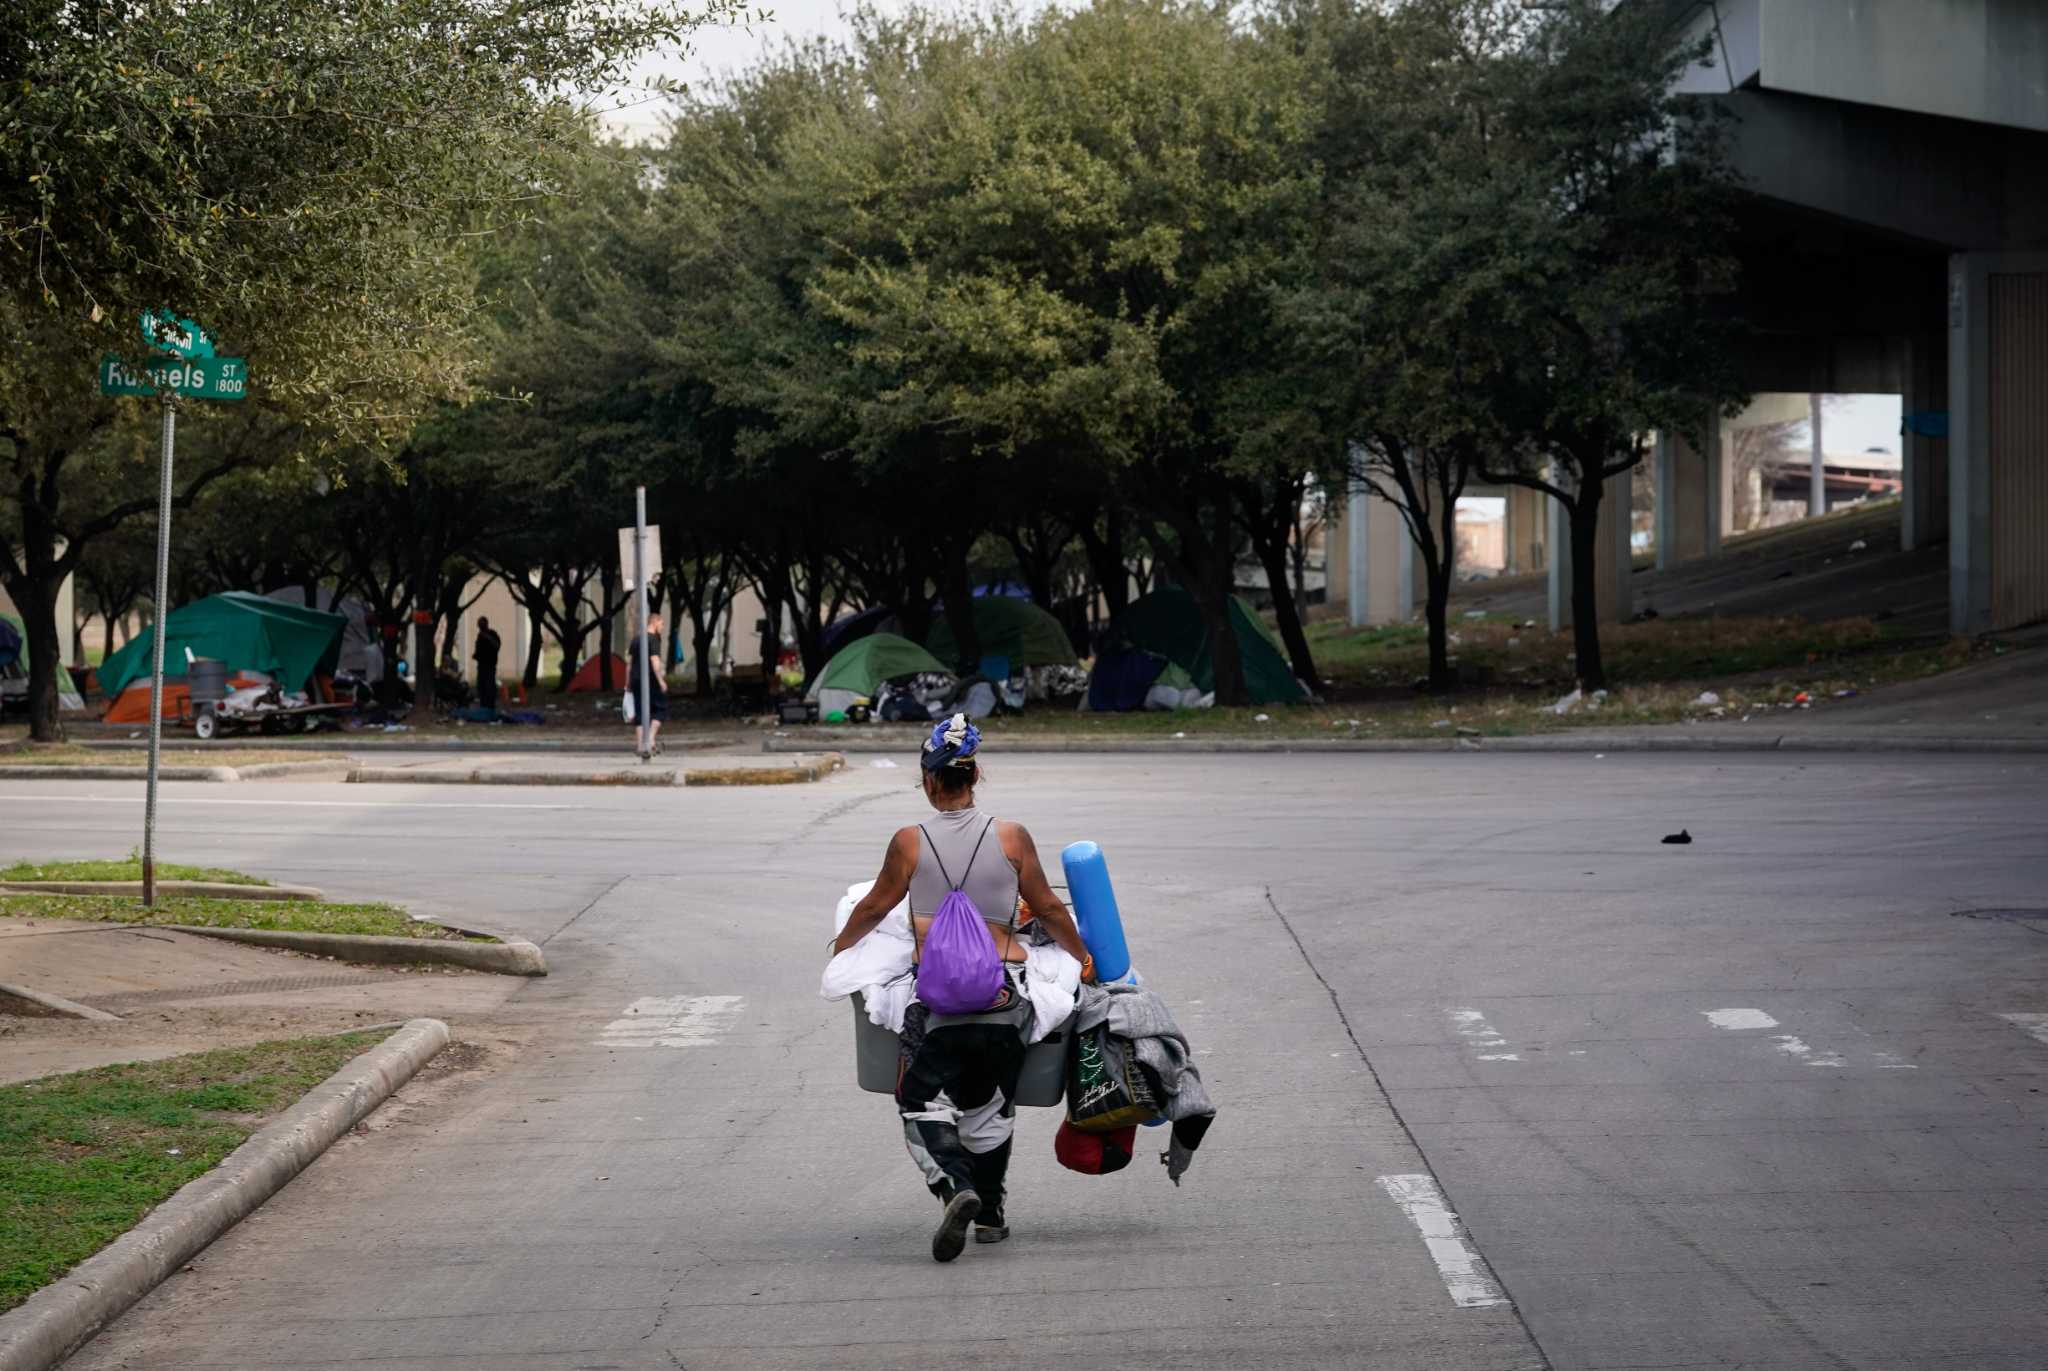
(516, 957)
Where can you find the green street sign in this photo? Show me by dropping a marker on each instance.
(202, 378)
(166, 332)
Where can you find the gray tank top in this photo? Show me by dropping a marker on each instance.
(946, 844)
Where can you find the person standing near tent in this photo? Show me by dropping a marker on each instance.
(485, 654)
(647, 647)
(956, 1087)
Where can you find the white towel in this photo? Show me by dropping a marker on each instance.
(879, 967)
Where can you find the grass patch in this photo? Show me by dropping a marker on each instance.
(72, 754)
(294, 916)
(85, 1156)
(128, 868)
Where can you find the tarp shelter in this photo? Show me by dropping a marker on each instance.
(287, 643)
(861, 666)
(1168, 623)
(11, 641)
(590, 676)
(1016, 629)
(14, 652)
(358, 650)
(850, 628)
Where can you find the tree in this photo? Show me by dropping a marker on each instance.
(299, 177)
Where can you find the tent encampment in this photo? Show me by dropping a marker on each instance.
(1007, 627)
(590, 676)
(287, 643)
(1168, 623)
(358, 649)
(849, 628)
(11, 641)
(862, 665)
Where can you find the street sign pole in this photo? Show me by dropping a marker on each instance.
(156, 675)
(646, 638)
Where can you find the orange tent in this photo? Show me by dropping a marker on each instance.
(131, 706)
(587, 676)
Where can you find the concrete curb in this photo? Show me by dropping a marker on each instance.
(1537, 742)
(515, 958)
(369, 742)
(371, 775)
(799, 774)
(262, 770)
(31, 772)
(57, 1319)
(206, 890)
(70, 1008)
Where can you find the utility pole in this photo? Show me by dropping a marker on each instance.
(156, 674)
(1817, 489)
(640, 599)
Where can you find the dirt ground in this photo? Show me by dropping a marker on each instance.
(178, 993)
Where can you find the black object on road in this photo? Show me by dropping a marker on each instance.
(1681, 836)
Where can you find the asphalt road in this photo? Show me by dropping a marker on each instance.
(1753, 1101)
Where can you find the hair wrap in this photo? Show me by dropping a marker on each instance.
(953, 743)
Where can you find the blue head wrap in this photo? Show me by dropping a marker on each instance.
(952, 743)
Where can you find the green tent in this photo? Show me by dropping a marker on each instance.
(1008, 627)
(865, 663)
(289, 643)
(1167, 623)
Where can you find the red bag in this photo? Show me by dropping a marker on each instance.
(1094, 1154)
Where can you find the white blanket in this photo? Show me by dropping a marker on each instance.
(879, 967)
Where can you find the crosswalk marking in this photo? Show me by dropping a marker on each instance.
(671, 1021)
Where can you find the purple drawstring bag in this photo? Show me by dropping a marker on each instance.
(959, 971)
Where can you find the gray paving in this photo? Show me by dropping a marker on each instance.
(1857, 1183)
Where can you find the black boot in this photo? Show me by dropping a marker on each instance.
(989, 1170)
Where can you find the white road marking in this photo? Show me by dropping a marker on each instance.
(671, 1021)
(1891, 1061)
(272, 804)
(1473, 1027)
(1796, 1047)
(1465, 1274)
(1739, 1019)
(2034, 1026)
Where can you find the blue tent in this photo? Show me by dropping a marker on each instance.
(10, 642)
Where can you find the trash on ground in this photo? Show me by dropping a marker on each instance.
(1262, 718)
(1707, 699)
(883, 763)
(1566, 704)
(1475, 614)
(1858, 545)
(1441, 723)
(1680, 837)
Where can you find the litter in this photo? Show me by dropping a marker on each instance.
(1180, 735)
(1475, 614)
(1681, 837)
(1441, 723)
(1262, 718)
(1858, 546)
(1567, 704)
(1844, 694)
(1802, 698)
(883, 764)
(1707, 699)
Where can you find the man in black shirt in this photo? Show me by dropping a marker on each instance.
(486, 658)
(645, 644)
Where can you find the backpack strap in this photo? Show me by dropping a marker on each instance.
(931, 847)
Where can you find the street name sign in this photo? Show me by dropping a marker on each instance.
(202, 378)
(166, 332)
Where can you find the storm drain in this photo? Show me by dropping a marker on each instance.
(227, 988)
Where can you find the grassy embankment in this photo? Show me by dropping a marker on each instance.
(85, 1156)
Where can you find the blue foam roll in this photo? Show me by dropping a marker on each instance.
(1102, 927)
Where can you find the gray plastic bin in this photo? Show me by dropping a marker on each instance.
(1043, 1082)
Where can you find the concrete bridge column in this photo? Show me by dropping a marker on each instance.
(1923, 506)
(1612, 591)
(1998, 440)
(1692, 495)
(1527, 531)
(1379, 556)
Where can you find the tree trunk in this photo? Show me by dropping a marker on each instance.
(1584, 514)
(702, 639)
(536, 636)
(959, 590)
(36, 598)
(607, 587)
(1224, 657)
(1272, 553)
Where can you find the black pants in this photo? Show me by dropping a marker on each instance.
(487, 684)
(956, 1089)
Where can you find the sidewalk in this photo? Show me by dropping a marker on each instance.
(615, 768)
(177, 993)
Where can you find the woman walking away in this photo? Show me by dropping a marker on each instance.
(956, 1084)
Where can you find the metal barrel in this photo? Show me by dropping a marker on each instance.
(207, 679)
